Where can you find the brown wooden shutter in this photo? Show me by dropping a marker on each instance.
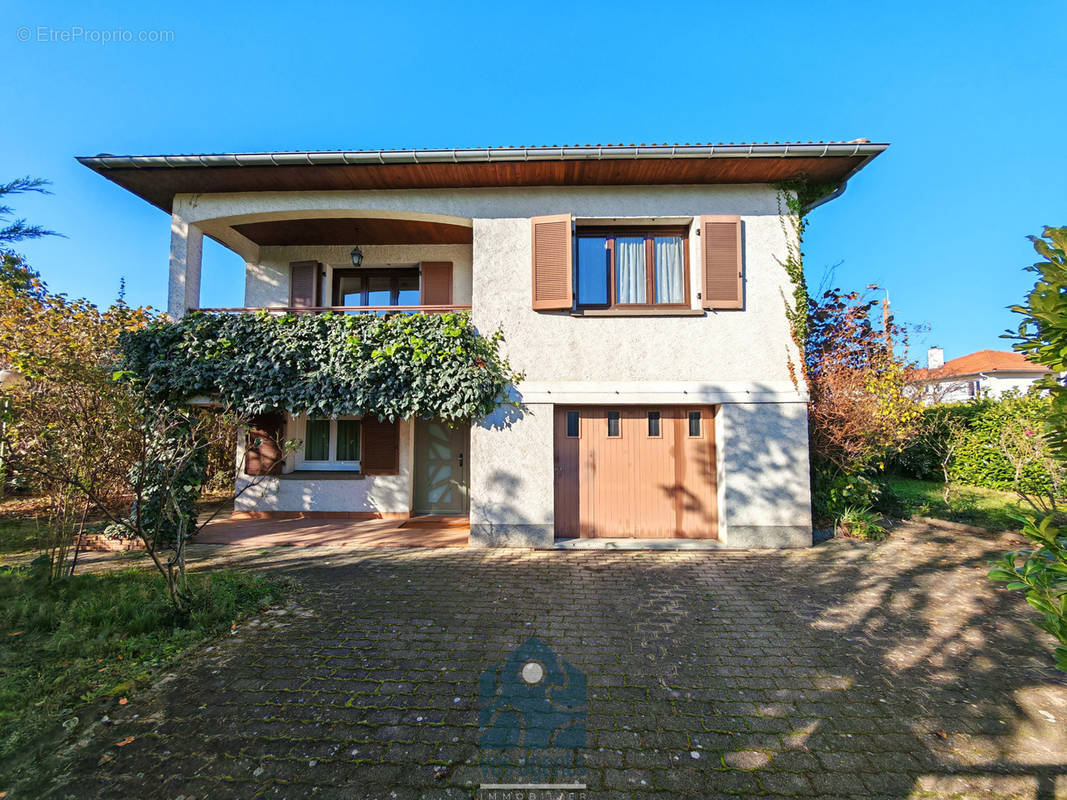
(436, 283)
(263, 448)
(721, 259)
(552, 287)
(304, 284)
(381, 446)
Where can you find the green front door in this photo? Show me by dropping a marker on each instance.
(441, 467)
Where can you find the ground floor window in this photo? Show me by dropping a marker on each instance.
(330, 444)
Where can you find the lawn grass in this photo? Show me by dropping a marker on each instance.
(971, 505)
(69, 648)
(17, 536)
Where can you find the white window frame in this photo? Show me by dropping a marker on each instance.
(302, 464)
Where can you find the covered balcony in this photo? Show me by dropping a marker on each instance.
(346, 261)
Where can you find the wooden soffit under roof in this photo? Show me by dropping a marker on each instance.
(158, 179)
(345, 231)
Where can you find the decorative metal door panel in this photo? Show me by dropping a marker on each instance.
(441, 468)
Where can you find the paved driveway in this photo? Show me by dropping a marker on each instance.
(847, 670)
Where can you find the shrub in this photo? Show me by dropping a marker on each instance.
(1043, 337)
(889, 502)
(861, 412)
(834, 491)
(861, 523)
(1042, 574)
(67, 418)
(981, 457)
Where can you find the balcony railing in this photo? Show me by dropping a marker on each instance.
(337, 309)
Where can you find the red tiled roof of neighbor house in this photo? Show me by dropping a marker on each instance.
(984, 361)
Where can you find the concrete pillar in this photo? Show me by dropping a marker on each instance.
(186, 255)
(512, 478)
(764, 489)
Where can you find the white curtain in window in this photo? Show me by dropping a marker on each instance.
(630, 270)
(670, 269)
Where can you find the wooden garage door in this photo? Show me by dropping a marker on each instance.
(635, 472)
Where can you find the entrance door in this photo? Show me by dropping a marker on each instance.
(441, 467)
(635, 472)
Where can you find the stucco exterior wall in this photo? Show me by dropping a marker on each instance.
(512, 478)
(460, 206)
(267, 280)
(764, 484)
(752, 344)
(763, 481)
(293, 491)
(738, 360)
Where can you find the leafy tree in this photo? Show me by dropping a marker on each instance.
(1042, 336)
(16, 273)
(860, 411)
(91, 444)
(88, 443)
(945, 433)
(68, 426)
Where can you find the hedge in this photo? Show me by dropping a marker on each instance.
(979, 460)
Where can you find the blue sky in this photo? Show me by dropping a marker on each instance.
(969, 95)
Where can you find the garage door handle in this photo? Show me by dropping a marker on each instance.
(461, 459)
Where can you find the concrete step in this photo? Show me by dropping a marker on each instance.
(437, 521)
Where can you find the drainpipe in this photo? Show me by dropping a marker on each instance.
(836, 193)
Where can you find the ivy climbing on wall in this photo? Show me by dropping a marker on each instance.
(794, 198)
(400, 366)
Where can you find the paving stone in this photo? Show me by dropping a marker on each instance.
(846, 670)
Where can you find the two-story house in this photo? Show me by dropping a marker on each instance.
(640, 289)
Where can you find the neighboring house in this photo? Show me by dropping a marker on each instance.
(987, 373)
(640, 289)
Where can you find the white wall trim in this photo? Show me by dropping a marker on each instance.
(647, 392)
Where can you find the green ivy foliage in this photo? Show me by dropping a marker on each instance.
(328, 364)
(979, 460)
(795, 197)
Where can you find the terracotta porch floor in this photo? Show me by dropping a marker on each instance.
(335, 533)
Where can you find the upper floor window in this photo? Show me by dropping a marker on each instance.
(632, 267)
(376, 287)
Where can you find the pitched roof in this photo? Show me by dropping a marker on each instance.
(984, 361)
(158, 178)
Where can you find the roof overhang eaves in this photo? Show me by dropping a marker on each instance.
(159, 178)
(506, 154)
